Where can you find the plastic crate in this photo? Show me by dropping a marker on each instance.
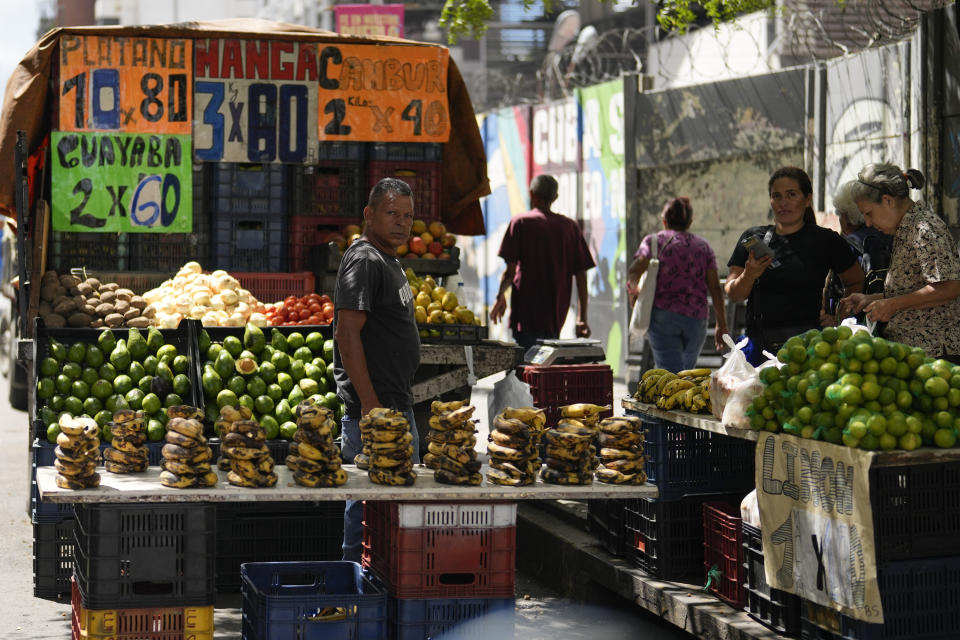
(169, 251)
(443, 561)
(428, 152)
(723, 549)
(145, 556)
(271, 287)
(237, 188)
(452, 333)
(776, 609)
(421, 515)
(179, 337)
(557, 385)
(916, 510)
(423, 178)
(275, 532)
(463, 618)
(254, 242)
(433, 267)
(109, 251)
(309, 231)
(41, 455)
(684, 461)
(605, 519)
(53, 543)
(280, 598)
(166, 623)
(665, 538)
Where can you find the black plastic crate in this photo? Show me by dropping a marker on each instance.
(247, 188)
(108, 251)
(916, 510)
(275, 532)
(250, 241)
(41, 455)
(774, 608)
(169, 251)
(684, 461)
(130, 556)
(53, 558)
(462, 618)
(605, 519)
(180, 337)
(452, 333)
(423, 152)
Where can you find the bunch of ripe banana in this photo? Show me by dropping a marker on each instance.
(127, 452)
(571, 453)
(514, 446)
(186, 454)
(621, 451)
(388, 448)
(77, 452)
(687, 390)
(243, 451)
(451, 441)
(313, 457)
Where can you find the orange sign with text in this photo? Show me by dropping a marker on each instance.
(122, 83)
(383, 93)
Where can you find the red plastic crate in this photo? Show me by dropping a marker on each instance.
(722, 546)
(438, 562)
(423, 178)
(271, 287)
(307, 232)
(561, 384)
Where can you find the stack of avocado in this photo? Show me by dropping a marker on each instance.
(269, 377)
(95, 379)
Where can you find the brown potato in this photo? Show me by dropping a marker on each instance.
(104, 309)
(79, 320)
(54, 321)
(137, 302)
(129, 314)
(65, 307)
(113, 320)
(139, 323)
(97, 323)
(48, 292)
(107, 296)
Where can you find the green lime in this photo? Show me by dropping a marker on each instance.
(935, 386)
(945, 438)
(295, 340)
(943, 419)
(870, 390)
(857, 429)
(47, 416)
(287, 430)
(953, 397)
(73, 405)
(822, 349)
(916, 359)
(135, 398)
(308, 386)
(49, 367)
(270, 426)
(332, 380)
(870, 442)
(877, 424)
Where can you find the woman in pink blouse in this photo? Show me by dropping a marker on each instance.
(688, 271)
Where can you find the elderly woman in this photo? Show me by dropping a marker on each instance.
(688, 272)
(920, 299)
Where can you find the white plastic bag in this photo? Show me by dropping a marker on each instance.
(855, 326)
(509, 392)
(646, 289)
(735, 411)
(749, 510)
(728, 377)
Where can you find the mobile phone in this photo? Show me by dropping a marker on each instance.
(758, 246)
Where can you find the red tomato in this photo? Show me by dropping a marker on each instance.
(304, 314)
(314, 307)
(324, 299)
(289, 300)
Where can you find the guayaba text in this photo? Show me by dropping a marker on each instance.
(123, 151)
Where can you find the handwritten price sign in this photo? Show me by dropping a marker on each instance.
(111, 83)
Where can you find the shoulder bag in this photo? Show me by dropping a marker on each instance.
(646, 289)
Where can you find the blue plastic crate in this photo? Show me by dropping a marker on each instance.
(684, 461)
(280, 600)
(464, 618)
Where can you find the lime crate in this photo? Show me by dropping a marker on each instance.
(684, 461)
(145, 556)
(179, 337)
(160, 623)
(561, 384)
(275, 532)
(423, 178)
(457, 560)
(605, 519)
(665, 537)
(282, 600)
(53, 542)
(774, 608)
(916, 510)
(271, 287)
(723, 549)
(68, 250)
(452, 333)
(462, 618)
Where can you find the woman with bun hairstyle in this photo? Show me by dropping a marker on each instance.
(688, 271)
(919, 303)
(784, 289)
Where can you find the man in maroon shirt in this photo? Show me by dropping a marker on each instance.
(544, 251)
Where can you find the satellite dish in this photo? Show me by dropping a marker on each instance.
(565, 30)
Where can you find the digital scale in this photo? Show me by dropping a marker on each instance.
(573, 351)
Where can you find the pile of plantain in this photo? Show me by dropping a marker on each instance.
(687, 390)
(127, 452)
(77, 452)
(621, 451)
(243, 451)
(313, 457)
(387, 448)
(571, 453)
(451, 441)
(186, 454)
(514, 446)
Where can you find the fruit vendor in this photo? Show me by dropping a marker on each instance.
(377, 344)
(784, 289)
(919, 303)
(544, 251)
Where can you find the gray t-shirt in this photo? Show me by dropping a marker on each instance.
(372, 281)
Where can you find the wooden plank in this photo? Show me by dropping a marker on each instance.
(439, 384)
(146, 487)
(489, 357)
(705, 423)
